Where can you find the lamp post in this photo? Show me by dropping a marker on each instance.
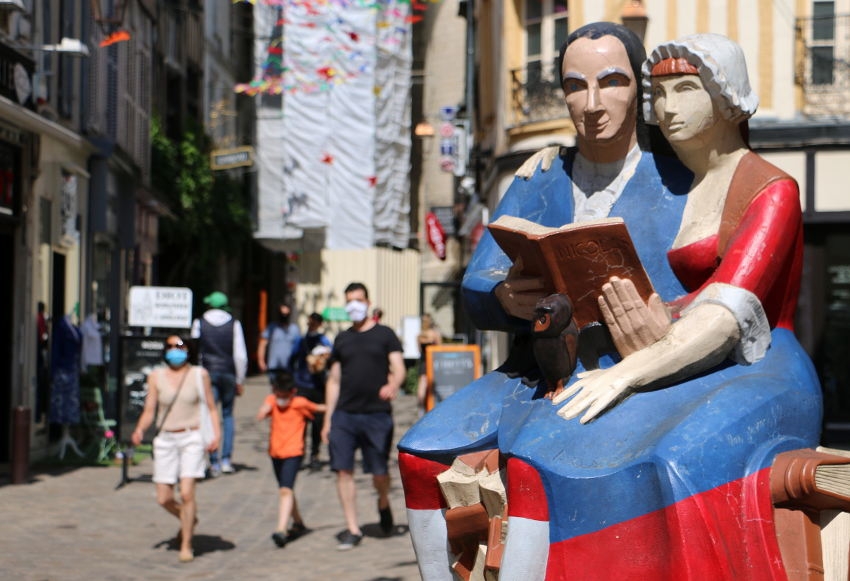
(13, 5)
(70, 46)
(634, 18)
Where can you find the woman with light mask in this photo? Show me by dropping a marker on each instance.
(174, 398)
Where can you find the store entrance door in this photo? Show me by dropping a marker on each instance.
(7, 271)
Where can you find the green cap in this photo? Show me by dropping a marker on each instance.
(216, 300)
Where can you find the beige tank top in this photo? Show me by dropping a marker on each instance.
(186, 411)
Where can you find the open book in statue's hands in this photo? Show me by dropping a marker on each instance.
(575, 259)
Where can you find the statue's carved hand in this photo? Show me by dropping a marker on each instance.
(542, 158)
(595, 392)
(519, 294)
(633, 324)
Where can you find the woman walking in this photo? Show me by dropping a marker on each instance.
(176, 393)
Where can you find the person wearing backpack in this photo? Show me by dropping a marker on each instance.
(223, 353)
(308, 364)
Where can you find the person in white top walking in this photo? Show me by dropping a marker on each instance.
(222, 352)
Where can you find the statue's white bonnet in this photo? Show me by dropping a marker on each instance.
(722, 69)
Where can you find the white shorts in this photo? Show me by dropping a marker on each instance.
(179, 454)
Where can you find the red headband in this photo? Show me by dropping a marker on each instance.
(673, 66)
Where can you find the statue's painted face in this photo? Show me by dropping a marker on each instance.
(600, 89)
(684, 108)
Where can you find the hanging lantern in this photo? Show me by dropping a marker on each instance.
(108, 14)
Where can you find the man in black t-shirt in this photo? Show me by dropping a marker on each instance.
(366, 373)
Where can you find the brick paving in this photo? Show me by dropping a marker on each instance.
(74, 524)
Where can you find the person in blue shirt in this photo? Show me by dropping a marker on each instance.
(309, 368)
(277, 342)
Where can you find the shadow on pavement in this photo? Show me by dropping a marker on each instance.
(201, 544)
(244, 467)
(374, 530)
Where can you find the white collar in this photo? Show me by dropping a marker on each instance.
(597, 186)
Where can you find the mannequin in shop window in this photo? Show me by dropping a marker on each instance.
(65, 385)
(92, 343)
(42, 362)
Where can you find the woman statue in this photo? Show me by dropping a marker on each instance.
(702, 412)
(174, 398)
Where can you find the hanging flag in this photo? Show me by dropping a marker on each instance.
(117, 36)
(436, 235)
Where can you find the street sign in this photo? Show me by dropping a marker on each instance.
(162, 307)
(448, 112)
(335, 314)
(230, 158)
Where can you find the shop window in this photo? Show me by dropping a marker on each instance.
(832, 357)
(8, 182)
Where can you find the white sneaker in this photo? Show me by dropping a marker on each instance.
(227, 467)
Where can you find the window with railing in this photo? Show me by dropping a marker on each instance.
(536, 93)
(824, 66)
(545, 26)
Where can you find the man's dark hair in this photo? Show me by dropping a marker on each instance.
(596, 30)
(649, 138)
(316, 318)
(356, 286)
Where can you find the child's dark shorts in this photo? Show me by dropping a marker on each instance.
(286, 469)
(372, 433)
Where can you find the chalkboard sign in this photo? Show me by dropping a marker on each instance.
(139, 355)
(449, 368)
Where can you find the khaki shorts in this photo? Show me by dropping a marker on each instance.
(178, 455)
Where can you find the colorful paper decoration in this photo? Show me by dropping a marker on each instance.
(313, 69)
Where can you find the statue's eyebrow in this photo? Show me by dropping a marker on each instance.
(574, 76)
(611, 71)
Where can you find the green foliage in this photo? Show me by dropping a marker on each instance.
(411, 381)
(211, 214)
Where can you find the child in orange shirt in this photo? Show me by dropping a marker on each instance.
(289, 414)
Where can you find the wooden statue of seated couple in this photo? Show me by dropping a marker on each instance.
(674, 437)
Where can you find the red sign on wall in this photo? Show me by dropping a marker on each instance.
(436, 235)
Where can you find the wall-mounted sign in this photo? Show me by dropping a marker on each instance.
(230, 158)
(446, 216)
(454, 146)
(435, 234)
(335, 314)
(69, 233)
(163, 307)
(448, 112)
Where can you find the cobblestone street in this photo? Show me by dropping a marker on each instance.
(74, 524)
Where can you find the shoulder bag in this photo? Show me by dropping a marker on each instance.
(207, 431)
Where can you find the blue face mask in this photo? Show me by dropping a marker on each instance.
(176, 357)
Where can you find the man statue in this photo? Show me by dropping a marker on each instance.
(610, 172)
